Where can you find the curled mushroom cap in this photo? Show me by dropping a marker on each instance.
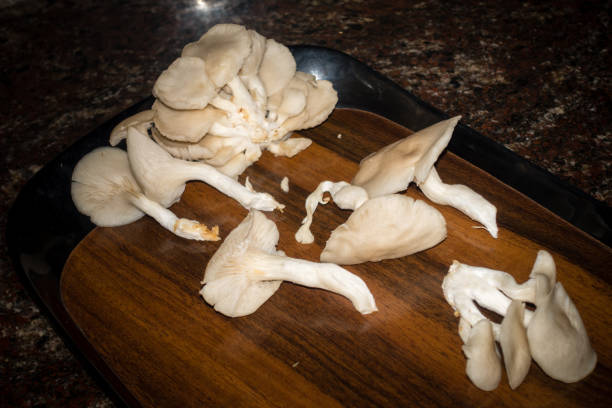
(185, 84)
(483, 366)
(393, 167)
(104, 189)
(514, 344)
(163, 177)
(246, 270)
(385, 227)
(558, 340)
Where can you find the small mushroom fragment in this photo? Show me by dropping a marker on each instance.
(386, 227)
(483, 366)
(514, 344)
(163, 177)
(346, 196)
(104, 188)
(557, 337)
(394, 167)
(247, 269)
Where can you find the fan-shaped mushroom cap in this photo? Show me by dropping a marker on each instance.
(289, 147)
(558, 340)
(184, 125)
(185, 84)
(483, 366)
(514, 344)
(224, 48)
(321, 101)
(100, 181)
(385, 227)
(277, 67)
(393, 167)
(231, 293)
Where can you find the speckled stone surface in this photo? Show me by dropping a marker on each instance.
(533, 76)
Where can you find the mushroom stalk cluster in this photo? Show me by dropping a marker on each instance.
(553, 334)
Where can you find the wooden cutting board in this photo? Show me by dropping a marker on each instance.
(133, 291)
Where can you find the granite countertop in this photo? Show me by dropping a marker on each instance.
(533, 76)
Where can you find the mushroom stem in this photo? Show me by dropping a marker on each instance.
(462, 198)
(229, 186)
(328, 276)
(182, 227)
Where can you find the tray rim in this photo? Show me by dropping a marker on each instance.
(359, 87)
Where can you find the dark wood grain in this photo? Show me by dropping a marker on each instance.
(133, 291)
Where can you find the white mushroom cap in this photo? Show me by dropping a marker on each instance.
(224, 47)
(184, 125)
(483, 366)
(514, 344)
(100, 181)
(321, 101)
(185, 84)
(558, 340)
(393, 167)
(253, 61)
(246, 270)
(385, 227)
(277, 67)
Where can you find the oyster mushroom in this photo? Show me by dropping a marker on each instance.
(247, 269)
(163, 177)
(514, 344)
(483, 365)
(104, 189)
(558, 340)
(394, 167)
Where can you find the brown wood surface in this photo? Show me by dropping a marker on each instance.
(133, 291)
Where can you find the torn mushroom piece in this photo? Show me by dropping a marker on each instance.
(394, 167)
(346, 196)
(386, 227)
(247, 269)
(163, 177)
(558, 340)
(104, 189)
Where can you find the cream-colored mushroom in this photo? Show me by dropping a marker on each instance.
(163, 177)
(277, 67)
(483, 366)
(514, 344)
(394, 167)
(385, 227)
(558, 340)
(104, 189)
(247, 269)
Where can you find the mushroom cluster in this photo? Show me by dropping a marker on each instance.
(553, 334)
(409, 225)
(230, 95)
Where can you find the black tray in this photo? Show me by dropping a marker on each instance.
(44, 226)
